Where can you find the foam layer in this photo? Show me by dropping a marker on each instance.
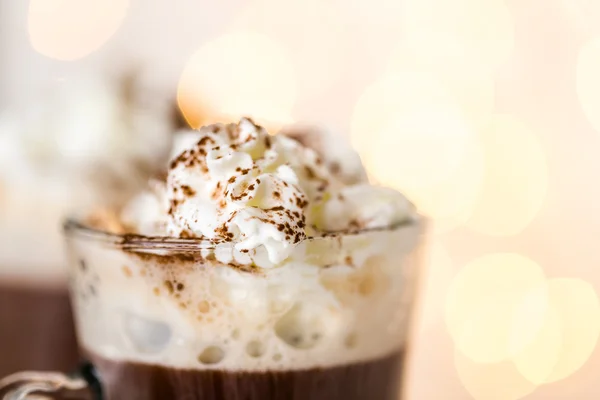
(90, 141)
(334, 300)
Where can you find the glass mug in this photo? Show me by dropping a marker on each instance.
(166, 318)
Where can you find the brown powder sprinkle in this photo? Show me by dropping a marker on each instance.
(207, 139)
(127, 271)
(186, 234)
(169, 286)
(309, 172)
(188, 191)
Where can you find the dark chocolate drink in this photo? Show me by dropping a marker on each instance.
(36, 328)
(377, 379)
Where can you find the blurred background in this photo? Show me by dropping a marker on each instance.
(486, 113)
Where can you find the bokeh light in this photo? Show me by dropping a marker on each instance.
(238, 74)
(572, 324)
(71, 29)
(498, 381)
(584, 13)
(537, 359)
(381, 102)
(483, 300)
(446, 31)
(468, 83)
(515, 181)
(413, 137)
(308, 30)
(588, 81)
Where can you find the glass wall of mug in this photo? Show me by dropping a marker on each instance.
(165, 318)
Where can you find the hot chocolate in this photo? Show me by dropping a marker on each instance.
(377, 379)
(254, 271)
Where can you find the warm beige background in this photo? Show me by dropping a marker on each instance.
(485, 112)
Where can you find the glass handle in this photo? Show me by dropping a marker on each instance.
(22, 384)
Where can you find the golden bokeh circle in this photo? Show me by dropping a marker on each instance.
(414, 137)
(446, 31)
(381, 102)
(312, 28)
(482, 302)
(468, 83)
(539, 348)
(497, 381)
(238, 74)
(71, 29)
(515, 180)
(571, 312)
(584, 14)
(588, 81)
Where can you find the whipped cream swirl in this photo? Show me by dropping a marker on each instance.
(262, 193)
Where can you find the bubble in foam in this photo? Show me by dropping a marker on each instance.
(303, 326)
(255, 348)
(146, 335)
(211, 355)
(235, 334)
(204, 307)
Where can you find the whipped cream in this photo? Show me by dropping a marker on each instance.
(264, 194)
(336, 152)
(89, 141)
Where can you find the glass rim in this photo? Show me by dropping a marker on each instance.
(74, 228)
